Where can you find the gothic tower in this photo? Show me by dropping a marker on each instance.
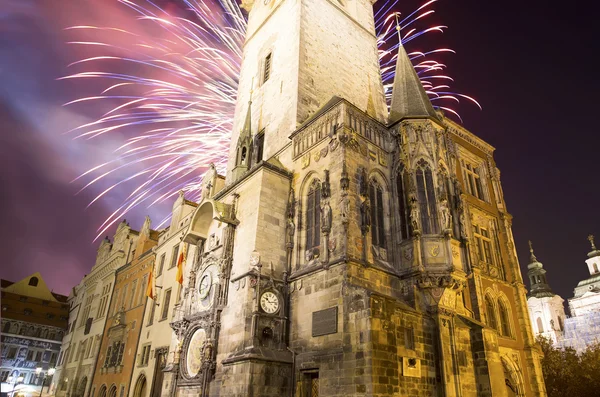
(349, 251)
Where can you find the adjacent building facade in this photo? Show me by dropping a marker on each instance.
(548, 318)
(89, 302)
(112, 373)
(34, 321)
(351, 251)
(155, 338)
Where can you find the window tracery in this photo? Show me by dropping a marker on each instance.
(427, 200)
(313, 218)
(377, 217)
(402, 186)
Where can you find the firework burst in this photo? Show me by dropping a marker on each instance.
(174, 96)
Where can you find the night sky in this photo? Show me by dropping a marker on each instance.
(529, 63)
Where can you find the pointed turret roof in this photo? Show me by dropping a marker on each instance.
(409, 98)
(537, 277)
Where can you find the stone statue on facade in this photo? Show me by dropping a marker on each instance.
(344, 208)
(365, 215)
(446, 216)
(414, 216)
(326, 217)
(289, 232)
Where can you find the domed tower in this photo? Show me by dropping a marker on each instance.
(545, 307)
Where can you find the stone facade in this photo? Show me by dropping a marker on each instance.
(347, 253)
(90, 301)
(118, 348)
(34, 321)
(155, 337)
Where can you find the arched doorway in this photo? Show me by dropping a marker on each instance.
(512, 378)
(140, 387)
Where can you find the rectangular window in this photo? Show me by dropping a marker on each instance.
(133, 296)
(174, 258)
(267, 68)
(483, 245)
(472, 178)
(259, 145)
(161, 265)
(145, 356)
(165, 308)
(4, 376)
(12, 352)
(409, 338)
(30, 354)
(152, 310)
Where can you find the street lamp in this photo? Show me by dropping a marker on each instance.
(49, 373)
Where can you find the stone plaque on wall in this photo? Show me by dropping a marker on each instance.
(325, 322)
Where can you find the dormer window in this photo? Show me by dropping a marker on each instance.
(33, 281)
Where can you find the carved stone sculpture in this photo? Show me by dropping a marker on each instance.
(344, 208)
(326, 217)
(414, 216)
(365, 215)
(289, 232)
(446, 216)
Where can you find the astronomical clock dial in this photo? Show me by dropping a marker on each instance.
(194, 353)
(269, 302)
(205, 286)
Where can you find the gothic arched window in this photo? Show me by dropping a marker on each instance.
(540, 325)
(313, 215)
(377, 222)
(426, 197)
(490, 312)
(402, 187)
(504, 319)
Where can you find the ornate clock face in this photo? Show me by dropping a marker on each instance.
(269, 302)
(205, 284)
(194, 353)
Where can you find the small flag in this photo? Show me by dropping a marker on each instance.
(180, 261)
(149, 289)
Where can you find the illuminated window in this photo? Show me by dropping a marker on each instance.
(504, 319)
(472, 178)
(426, 197)
(313, 216)
(490, 313)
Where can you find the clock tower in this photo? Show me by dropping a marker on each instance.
(347, 251)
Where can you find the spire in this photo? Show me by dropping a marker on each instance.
(247, 129)
(537, 277)
(409, 98)
(532, 258)
(594, 251)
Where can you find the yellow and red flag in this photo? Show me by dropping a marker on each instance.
(149, 289)
(180, 261)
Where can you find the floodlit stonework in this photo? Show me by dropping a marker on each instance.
(89, 303)
(547, 312)
(350, 251)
